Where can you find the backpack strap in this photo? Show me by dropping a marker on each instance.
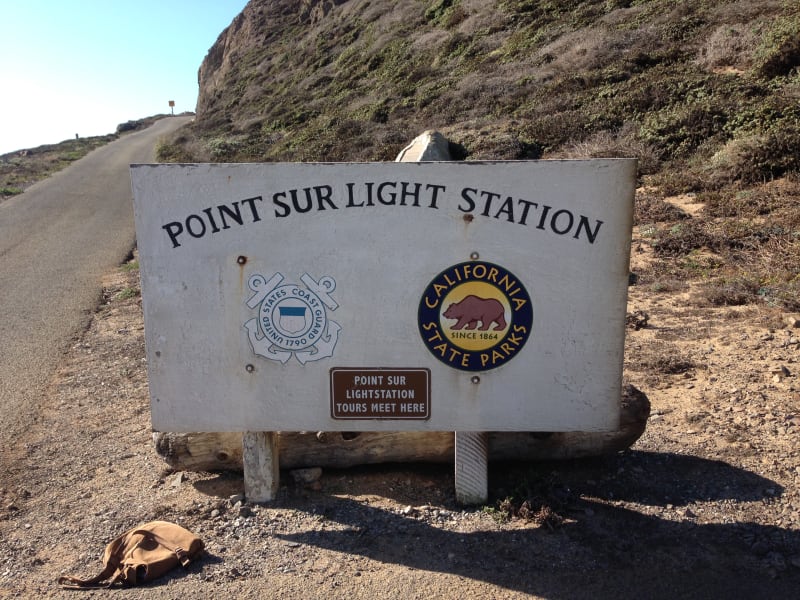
(111, 572)
(68, 582)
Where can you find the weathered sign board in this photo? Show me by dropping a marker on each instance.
(385, 296)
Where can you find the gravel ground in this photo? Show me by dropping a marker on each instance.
(704, 505)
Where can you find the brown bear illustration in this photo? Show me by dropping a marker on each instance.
(473, 309)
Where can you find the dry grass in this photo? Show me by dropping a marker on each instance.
(661, 358)
(650, 207)
(19, 170)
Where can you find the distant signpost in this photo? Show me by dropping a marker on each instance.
(172, 107)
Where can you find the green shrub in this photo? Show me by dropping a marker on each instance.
(779, 52)
(757, 158)
(128, 293)
(10, 191)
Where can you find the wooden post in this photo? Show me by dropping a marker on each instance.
(261, 470)
(472, 467)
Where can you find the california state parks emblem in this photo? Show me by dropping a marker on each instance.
(475, 316)
(292, 319)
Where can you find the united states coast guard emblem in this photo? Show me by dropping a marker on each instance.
(292, 319)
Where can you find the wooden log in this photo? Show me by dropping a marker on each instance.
(223, 451)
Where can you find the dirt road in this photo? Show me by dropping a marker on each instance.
(56, 241)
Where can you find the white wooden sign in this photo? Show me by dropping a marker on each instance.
(385, 296)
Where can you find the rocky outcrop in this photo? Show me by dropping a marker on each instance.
(314, 11)
(260, 24)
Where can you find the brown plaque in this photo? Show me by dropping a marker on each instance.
(380, 393)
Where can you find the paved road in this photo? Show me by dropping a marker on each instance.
(56, 242)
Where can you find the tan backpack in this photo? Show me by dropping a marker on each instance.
(140, 555)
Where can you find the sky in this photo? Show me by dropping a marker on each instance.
(82, 67)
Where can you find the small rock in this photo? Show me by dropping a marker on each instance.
(760, 548)
(428, 146)
(777, 560)
(178, 479)
(215, 513)
(306, 475)
(792, 321)
(236, 498)
(637, 320)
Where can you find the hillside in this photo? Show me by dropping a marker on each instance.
(705, 94)
(706, 504)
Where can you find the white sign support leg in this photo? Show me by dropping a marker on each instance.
(472, 450)
(472, 467)
(261, 466)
